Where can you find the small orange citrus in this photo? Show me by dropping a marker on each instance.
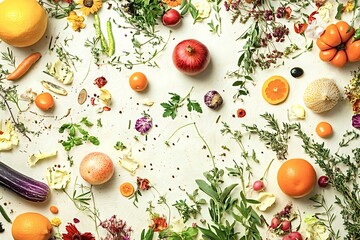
(275, 90)
(31, 226)
(296, 177)
(22, 22)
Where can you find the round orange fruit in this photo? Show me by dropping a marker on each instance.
(275, 90)
(31, 226)
(22, 22)
(296, 177)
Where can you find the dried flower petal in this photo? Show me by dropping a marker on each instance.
(143, 183)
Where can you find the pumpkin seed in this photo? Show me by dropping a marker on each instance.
(82, 96)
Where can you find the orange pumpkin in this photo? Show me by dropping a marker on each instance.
(337, 44)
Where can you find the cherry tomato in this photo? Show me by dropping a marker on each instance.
(44, 101)
(324, 129)
(138, 81)
(241, 113)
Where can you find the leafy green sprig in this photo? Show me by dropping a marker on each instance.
(7, 95)
(58, 9)
(343, 173)
(277, 138)
(171, 107)
(9, 57)
(187, 211)
(189, 233)
(77, 135)
(327, 217)
(141, 18)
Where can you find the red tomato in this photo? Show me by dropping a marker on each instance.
(138, 81)
(324, 129)
(44, 101)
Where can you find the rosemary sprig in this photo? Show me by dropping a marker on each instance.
(345, 181)
(9, 57)
(277, 139)
(326, 217)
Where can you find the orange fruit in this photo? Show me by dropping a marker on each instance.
(275, 90)
(127, 189)
(296, 177)
(324, 129)
(22, 22)
(138, 81)
(44, 101)
(31, 226)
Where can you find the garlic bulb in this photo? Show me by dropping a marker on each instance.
(321, 95)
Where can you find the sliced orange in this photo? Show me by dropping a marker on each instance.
(275, 90)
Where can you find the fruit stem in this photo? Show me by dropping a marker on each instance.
(190, 49)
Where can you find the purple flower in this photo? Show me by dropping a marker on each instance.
(143, 124)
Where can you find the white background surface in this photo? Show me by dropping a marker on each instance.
(167, 168)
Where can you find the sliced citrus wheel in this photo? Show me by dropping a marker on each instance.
(275, 90)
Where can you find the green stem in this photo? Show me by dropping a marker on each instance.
(178, 129)
(267, 169)
(111, 40)
(207, 145)
(104, 46)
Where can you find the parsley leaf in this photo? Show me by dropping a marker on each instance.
(77, 135)
(171, 107)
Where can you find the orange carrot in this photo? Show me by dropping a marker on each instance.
(24, 66)
(127, 189)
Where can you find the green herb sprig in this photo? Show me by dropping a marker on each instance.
(7, 95)
(57, 9)
(171, 107)
(187, 211)
(345, 181)
(277, 138)
(77, 135)
(326, 217)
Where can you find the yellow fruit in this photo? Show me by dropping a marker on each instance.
(22, 22)
(31, 226)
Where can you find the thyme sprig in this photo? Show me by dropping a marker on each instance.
(277, 138)
(9, 94)
(187, 211)
(58, 9)
(343, 173)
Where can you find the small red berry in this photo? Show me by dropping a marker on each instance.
(241, 113)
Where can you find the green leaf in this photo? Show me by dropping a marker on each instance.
(86, 122)
(64, 126)
(94, 140)
(207, 189)
(227, 192)
(208, 234)
(339, 11)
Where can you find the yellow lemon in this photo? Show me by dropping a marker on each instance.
(22, 22)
